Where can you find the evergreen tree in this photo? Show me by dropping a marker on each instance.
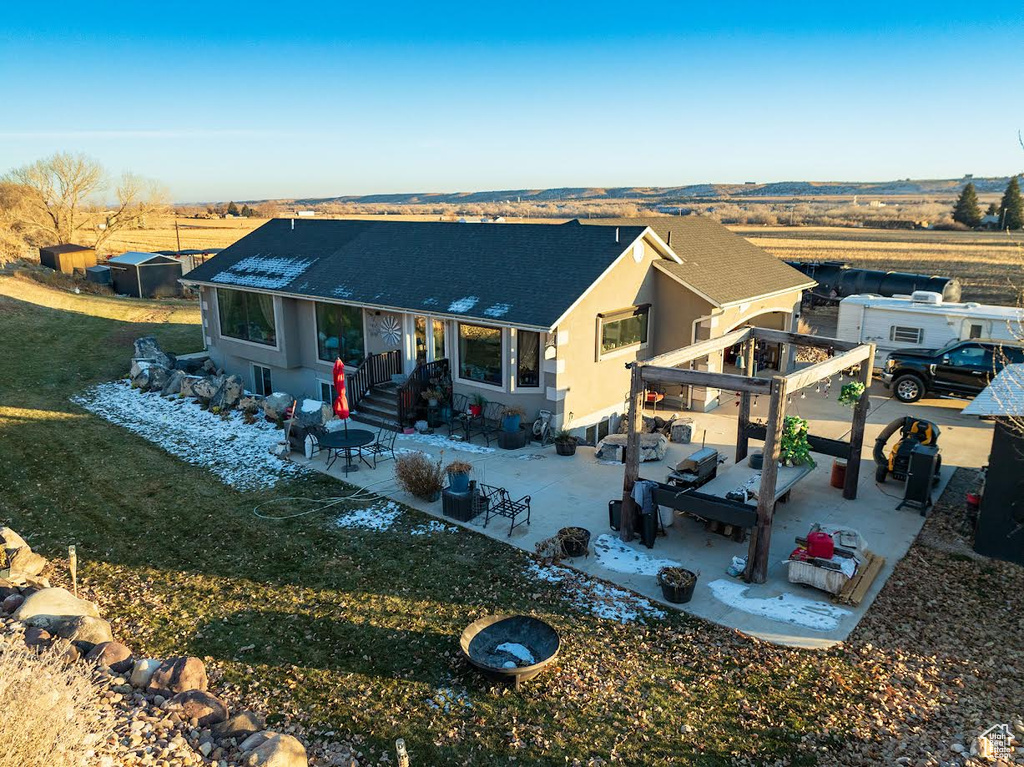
(993, 209)
(232, 209)
(1011, 209)
(966, 210)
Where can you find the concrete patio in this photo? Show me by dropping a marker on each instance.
(574, 491)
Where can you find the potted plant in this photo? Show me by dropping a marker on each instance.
(512, 417)
(418, 475)
(851, 393)
(794, 449)
(476, 405)
(677, 584)
(458, 476)
(432, 396)
(565, 442)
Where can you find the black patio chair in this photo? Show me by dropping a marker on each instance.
(316, 432)
(384, 445)
(500, 504)
(457, 413)
(489, 424)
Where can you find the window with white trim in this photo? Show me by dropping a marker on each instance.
(906, 335)
(625, 329)
(327, 392)
(262, 383)
(481, 353)
(527, 359)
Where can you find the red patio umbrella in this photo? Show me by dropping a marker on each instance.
(341, 401)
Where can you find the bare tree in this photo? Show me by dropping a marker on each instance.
(61, 192)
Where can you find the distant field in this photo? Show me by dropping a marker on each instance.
(989, 264)
(194, 233)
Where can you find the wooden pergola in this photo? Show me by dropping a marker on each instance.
(664, 369)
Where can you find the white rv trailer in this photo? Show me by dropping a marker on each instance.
(922, 321)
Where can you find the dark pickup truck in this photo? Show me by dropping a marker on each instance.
(961, 369)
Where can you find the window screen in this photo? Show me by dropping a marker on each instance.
(906, 335)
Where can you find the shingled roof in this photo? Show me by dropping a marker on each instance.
(717, 263)
(521, 274)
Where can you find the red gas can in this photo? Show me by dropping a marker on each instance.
(820, 545)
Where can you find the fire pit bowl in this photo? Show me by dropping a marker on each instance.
(497, 644)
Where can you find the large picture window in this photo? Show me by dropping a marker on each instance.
(247, 316)
(528, 359)
(339, 333)
(622, 330)
(480, 354)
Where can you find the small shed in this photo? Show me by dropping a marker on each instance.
(67, 258)
(999, 532)
(145, 275)
(98, 274)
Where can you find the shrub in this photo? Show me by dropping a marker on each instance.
(459, 467)
(52, 714)
(418, 475)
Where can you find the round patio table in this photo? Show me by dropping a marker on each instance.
(346, 440)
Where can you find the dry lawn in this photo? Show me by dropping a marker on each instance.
(197, 233)
(988, 264)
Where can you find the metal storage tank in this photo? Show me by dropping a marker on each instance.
(837, 280)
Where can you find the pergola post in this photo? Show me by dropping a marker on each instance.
(631, 459)
(860, 417)
(761, 535)
(742, 439)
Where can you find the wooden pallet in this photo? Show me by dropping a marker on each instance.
(856, 588)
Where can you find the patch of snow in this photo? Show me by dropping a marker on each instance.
(517, 651)
(786, 608)
(619, 556)
(433, 526)
(311, 405)
(531, 457)
(237, 452)
(593, 596)
(444, 443)
(266, 272)
(430, 302)
(497, 310)
(380, 517)
(446, 698)
(463, 305)
(342, 292)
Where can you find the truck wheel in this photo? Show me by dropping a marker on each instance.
(908, 388)
(881, 472)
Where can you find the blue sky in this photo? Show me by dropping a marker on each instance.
(252, 100)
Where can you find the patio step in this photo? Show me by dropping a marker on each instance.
(380, 405)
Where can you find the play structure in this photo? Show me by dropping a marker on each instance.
(769, 484)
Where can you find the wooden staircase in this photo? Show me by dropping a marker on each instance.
(378, 406)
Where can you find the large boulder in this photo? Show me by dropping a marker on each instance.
(206, 388)
(148, 349)
(55, 602)
(84, 631)
(278, 751)
(11, 539)
(275, 404)
(23, 561)
(173, 385)
(112, 655)
(191, 365)
(11, 603)
(228, 394)
(201, 706)
(188, 385)
(178, 675)
(312, 412)
(143, 672)
(241, 725)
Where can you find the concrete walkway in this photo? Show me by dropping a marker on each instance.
(574, 491)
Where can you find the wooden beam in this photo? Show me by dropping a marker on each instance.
(803, 339)
(761, 535)
(729, 381)
(743, 422)
(860, 417)
(814, 373)
(700, 349)
(632, 457)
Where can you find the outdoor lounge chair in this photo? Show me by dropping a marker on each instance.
(500, 504)
(384, 445)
